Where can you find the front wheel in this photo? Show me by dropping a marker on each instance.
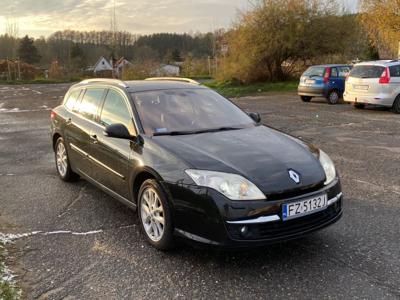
(305, 98)
(333, 97)
(396, 105)
(155, 215)
(63, 165)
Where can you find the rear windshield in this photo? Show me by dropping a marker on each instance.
(367, 71)
(314, 71)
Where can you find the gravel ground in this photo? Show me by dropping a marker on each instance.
(85, 245)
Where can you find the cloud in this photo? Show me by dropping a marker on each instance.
(38, 17)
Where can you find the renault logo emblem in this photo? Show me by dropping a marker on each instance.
(294, 176)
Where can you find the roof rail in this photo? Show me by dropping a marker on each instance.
(188, 80)
(110, 80)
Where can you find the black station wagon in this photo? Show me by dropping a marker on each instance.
(192, 163)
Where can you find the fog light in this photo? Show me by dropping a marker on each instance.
(243, 230)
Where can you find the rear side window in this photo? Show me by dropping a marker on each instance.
(314, 71)
(91, 102)
(366, 71)
(395, 71)
(72, 99)
(334, 72)
(343, 71)
(115, 110)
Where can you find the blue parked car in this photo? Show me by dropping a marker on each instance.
(323, 81)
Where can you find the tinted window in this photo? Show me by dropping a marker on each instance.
(115, 110)
(90, 103)
(343, 71)
(334, 72)
(186, 110)
(395, 71)
(72, 98)
(366, 71)
(314, 71)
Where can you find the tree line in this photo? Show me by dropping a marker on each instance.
(78, 49)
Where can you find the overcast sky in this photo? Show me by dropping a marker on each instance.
(42, 17)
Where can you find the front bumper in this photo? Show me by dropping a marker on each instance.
(205, 216)
(378, 99)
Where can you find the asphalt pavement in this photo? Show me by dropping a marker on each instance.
(82, 244)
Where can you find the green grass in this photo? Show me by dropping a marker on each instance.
(7, 290)
(40, 81)
(237, 90)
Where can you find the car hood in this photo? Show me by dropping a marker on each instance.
(261, 154)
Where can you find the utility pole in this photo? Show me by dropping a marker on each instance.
(8, 70)
(19, 69)
(113, 37)
(209, 65)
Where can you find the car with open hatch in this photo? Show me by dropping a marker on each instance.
(326, 81)
(193, 164)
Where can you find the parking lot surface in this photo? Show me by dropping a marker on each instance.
(85, 245)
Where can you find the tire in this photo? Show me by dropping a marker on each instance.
(396, 105)
(63, 165)
(359, 105)
(305, 98)
(333, 97)
(155, 215)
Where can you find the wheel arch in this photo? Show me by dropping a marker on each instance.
(56, 136)
(139, 177)
(334, 89)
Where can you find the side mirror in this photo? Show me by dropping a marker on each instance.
(255, 116)
(117, 131)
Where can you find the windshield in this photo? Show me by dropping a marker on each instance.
(365, 71)
(314, 71)
(189, 110)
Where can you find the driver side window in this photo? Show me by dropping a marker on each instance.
(116, 111)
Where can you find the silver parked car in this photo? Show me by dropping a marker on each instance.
(374, 82)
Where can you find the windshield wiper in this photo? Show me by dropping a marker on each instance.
(225, 128)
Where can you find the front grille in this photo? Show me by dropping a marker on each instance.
(295, 192)
(281, 229)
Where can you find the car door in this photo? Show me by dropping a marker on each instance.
(112, 155)
(80, 126)
(334, 80)
(343, 71)
(394, 83)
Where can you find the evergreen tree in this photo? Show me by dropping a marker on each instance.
(176, 55)
(27, 51)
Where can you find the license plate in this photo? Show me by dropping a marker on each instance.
(361, 87)
(310, 81)
(304, 207)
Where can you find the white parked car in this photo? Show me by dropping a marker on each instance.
(374, 82)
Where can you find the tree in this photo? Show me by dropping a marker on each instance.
(280, 32)
(27, 51)
(381, 20)
(176, 55)
(78, 59)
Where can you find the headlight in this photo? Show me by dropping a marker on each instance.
(233, 186)
(329, 167)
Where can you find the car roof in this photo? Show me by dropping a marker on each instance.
(384, 63)
(133, 86)
(331, 65)
(144, 85)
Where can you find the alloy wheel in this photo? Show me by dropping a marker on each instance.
(62, 160)
(333, 97)
(152, 214)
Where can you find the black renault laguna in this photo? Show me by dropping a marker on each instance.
(192, 163)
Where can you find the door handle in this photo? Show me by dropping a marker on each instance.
(93, 137)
